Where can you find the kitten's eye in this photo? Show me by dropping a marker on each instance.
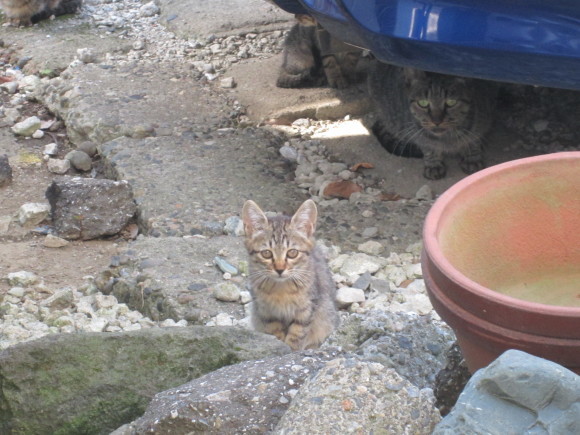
(423, 103)
(292, 253)
(266, 253)
(450, 102)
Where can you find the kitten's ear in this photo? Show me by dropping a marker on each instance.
(304, 220)
(411, 75)
(254, 218)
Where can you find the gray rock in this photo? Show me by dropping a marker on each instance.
(234, 226)
(84, 208)
(5, 171)
(126, 370)
(517, 393)
(451, 380)
(424, 193)
(10, 87)
(79, 160)
(351, 396)
(227, 292)
(289, 153)
(249, 397)
(370, 232)
(225, 266)
(26, 127)
(412, 345)
(88, 147)
(363, 282)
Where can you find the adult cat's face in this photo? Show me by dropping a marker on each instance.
(439, 104)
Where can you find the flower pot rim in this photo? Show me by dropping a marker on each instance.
(435, 254)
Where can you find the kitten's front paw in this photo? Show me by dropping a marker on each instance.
(472, 167)
(435, 172)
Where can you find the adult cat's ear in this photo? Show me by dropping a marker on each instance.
(304, 220)
(254, 218)
(411, 75)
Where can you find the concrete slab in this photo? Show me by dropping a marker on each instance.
(52, 45)
(202, 18)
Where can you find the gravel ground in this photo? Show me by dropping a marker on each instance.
(368, 277)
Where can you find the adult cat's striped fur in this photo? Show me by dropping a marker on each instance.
(26, 12)
(312, 57)
(431, 114)
(292, 288)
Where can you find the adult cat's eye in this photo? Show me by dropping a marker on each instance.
(266, 253)
(423, 103)
(292, 253)
(450, 102)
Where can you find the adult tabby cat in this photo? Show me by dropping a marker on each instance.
(314, 58)
(26, 12)
(431, 115)
(292, 288)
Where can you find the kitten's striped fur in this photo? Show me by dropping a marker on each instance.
(292, 288)
(26, 12)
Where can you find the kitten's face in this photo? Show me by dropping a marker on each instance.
(439, 104)
(279, 247)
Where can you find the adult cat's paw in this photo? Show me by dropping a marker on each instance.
(435, 172)
(471, 167)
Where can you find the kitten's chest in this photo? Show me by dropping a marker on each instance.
(284, 302)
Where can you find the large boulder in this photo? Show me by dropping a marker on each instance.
(517, 393)
(353, 396)
(249, 397)
(93, 383)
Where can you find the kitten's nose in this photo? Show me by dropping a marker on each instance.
(280, 271)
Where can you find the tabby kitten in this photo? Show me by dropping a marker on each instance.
(431, 115)
(314, 58)
(292, 288)
(26, 12)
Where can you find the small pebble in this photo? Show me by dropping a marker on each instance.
(80, 160)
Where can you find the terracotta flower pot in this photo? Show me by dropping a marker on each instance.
(501, 260)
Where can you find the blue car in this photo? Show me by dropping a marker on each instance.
(521, 41)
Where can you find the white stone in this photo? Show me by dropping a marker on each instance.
(149, 9)
(9, 87)
(51, 241)
(26, 127)
(33, 213)
(17, 292)
(346, 296)
(245, 297)
(359, 263)
(413, 270)
(168, 323)
(228, 83)
(38, 134)
(371, 247)
(86, 55)
(105, 301)
(50, 149)
(97, 324)
(22, 279)
(223, 319)
(58, 166)
(289, 153)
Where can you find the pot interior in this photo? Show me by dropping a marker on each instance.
(517, 230)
